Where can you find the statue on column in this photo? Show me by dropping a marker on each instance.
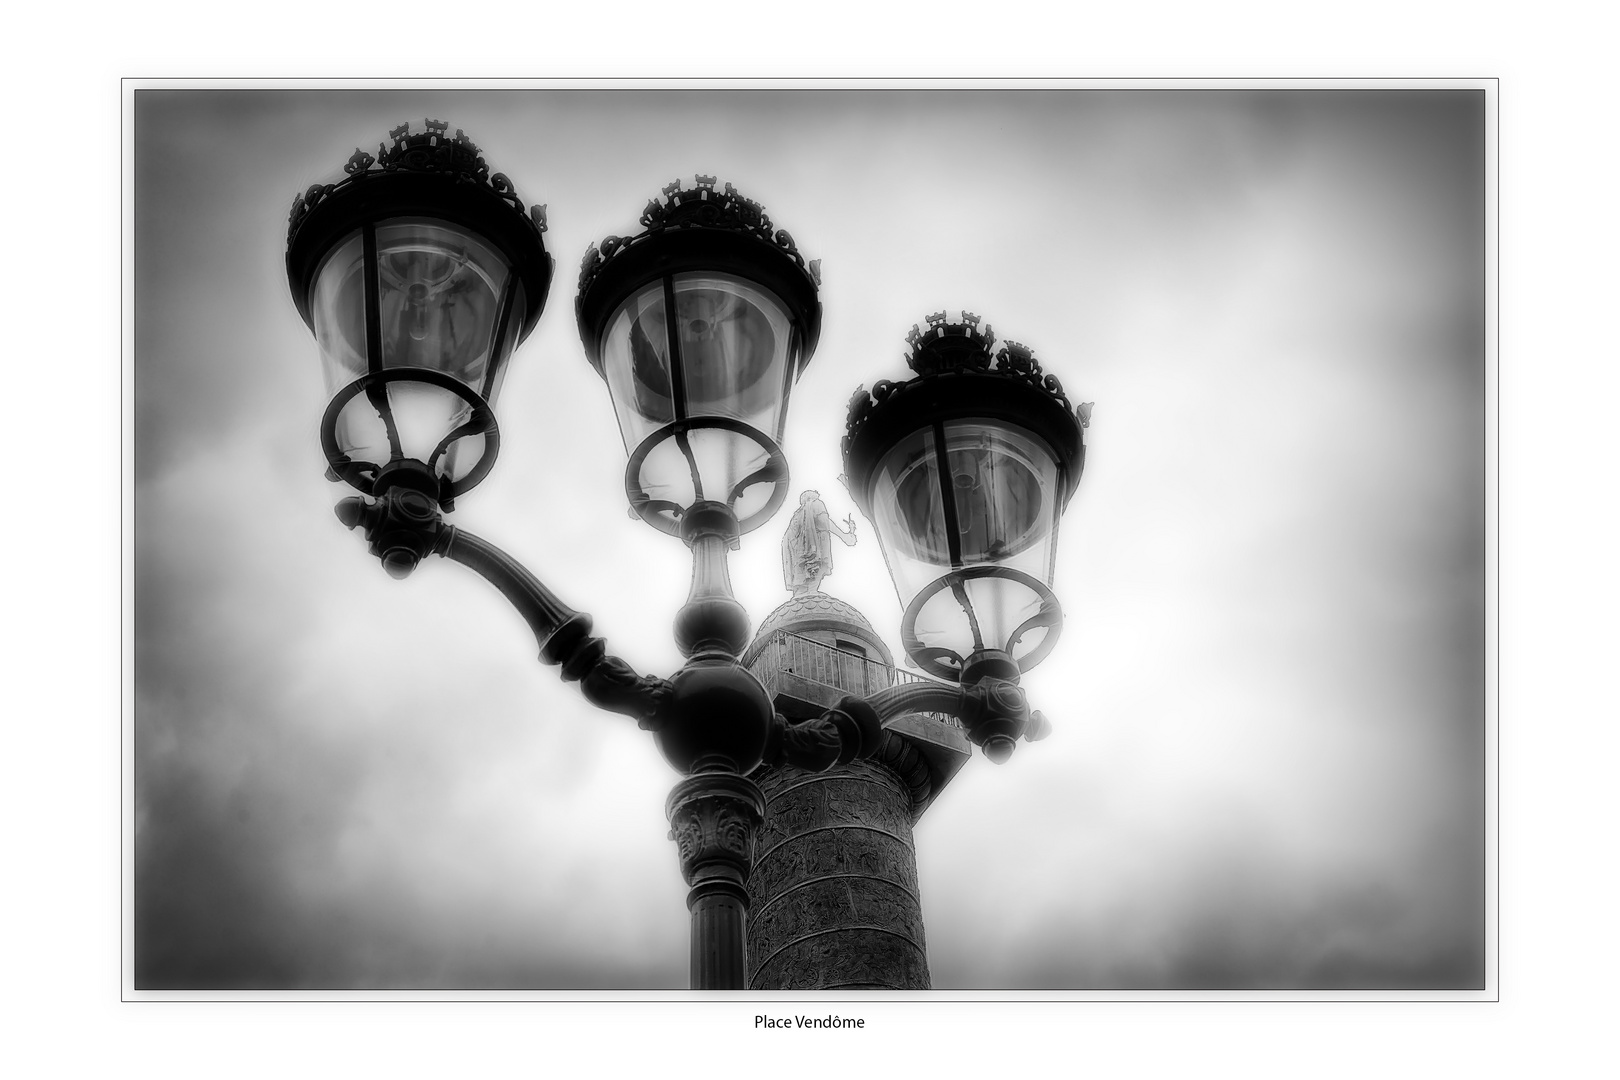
(807, 545)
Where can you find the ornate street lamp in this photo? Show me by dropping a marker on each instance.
(419, 275)
(965, 471)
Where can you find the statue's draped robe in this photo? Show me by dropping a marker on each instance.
(807, 547)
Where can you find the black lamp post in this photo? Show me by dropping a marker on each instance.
(420, 273)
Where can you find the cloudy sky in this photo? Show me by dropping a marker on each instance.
(1268, 761)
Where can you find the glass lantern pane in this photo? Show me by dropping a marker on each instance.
(439, 289)
(514, 326)
(996, 503)
(1004, 485)
(340, 314)
(736, 345)
(910, 516)
(734, 350)
(635, 359)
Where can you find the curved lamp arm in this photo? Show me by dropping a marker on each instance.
(403, 526)
(538, 605)
(994, 711)
(564, 634)
(903, 698)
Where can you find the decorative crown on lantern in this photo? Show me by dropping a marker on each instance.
(699, 206)
(941, 348)
(427, 151)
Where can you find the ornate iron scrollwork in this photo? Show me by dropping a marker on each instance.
(698, 206)
(1017, 361)
(947, 348)
(427, 151)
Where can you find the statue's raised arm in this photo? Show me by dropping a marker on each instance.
(807, 544)
(846, 535)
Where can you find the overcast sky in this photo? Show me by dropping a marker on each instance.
(1268, 759)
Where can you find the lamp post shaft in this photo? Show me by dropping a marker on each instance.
(719, 940)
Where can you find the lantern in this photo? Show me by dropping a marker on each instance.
(965, 472)
(419, 273)
(700, 325)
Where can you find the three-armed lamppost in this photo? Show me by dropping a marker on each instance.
(420, 273)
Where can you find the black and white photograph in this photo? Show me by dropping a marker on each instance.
(1045, 554)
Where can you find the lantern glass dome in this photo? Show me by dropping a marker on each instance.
(967, 514)
(700, 325)
(728, 356)
(964, 472)
(419, 273)
(440, 296)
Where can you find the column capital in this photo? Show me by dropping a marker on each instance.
(714, 819)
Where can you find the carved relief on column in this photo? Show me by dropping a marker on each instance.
(835, 901)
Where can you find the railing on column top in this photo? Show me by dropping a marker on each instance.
(855, 672)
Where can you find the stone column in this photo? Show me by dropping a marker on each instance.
(834, 886)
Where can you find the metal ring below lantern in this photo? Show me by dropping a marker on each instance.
(362, 475)
(928, 659)
(664, 515)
